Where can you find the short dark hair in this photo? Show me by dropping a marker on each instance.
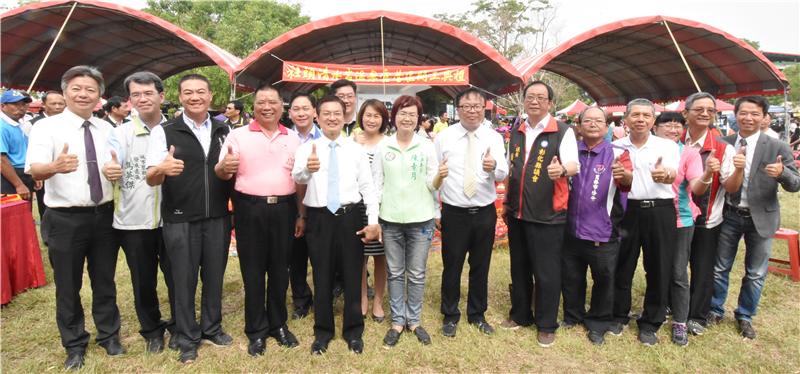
(83, 71)
(379, 107)
(143, 77)
(697, 96)
(189, 77)
(550, 94)
(758, 100)
(237, 105)
(265, 87)
(469, 92)
(51, 92)
(443, 112)
(113, 102)
(308, 96)
(665, 117)
(331, 99)
(341, 83)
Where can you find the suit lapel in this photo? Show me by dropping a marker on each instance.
(758, 155)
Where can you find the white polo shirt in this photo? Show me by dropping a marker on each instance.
(644, 160)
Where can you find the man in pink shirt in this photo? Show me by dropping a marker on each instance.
(261, 155)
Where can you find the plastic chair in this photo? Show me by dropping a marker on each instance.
(793, 244)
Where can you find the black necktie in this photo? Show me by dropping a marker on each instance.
(95, 187)
(736, 197)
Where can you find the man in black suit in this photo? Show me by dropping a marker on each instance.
(751, 210)
(181, 156)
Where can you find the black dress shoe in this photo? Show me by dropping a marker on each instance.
(285, 337)
(449, 329)
(422, 335)
(256, 347)
(356, 345)
(188, 355)
(319, 347)
(391, 338)
(220, 340)
(155, 345)
(173, 342)
(113, 347)
(483, 327)
(74, 360)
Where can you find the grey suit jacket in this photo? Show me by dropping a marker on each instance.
(762, 190)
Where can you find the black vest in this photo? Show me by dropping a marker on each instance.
(197, 193)
(531, 195)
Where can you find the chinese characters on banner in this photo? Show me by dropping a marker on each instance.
(308, 72)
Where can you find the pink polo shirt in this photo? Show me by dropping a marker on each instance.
(265, 164)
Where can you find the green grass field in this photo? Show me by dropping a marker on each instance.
(30, 342)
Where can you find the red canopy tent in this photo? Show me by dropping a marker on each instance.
(637, 57)
(573, 109)
(116, 39)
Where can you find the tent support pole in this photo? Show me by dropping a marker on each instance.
(383, 59)
(686, 64)
(233, 87)
(52, 45)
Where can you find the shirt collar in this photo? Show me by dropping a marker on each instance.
(192, 125)
(314, 133)
(76, 120)
(140, 128)
(582, 147)
(254, 126)
(463, 131)
(696, 142)
(391, 141)
(541, 124)
(9, 120)
(751, 140)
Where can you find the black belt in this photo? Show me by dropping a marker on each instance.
(268, 199)
(742, 212)
(85, 209)
(344, 209)
(467, 210)
(646, 204)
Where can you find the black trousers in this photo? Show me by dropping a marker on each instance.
(601, 259)
(654, 231)
(702, 258)
(466, 230)
(535, 253)
(298, 272)
(144, 252)
(77, 238)
(333, 245)
(197, 246)
(264, 234)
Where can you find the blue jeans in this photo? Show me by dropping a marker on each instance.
(757, 252)
(406, 247)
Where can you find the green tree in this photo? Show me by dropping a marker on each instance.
(240, 27)
(792, 74)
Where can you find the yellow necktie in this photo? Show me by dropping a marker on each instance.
(470, 184)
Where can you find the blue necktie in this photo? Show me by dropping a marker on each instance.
(333, 179)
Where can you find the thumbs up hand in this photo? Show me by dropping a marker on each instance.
(740, 158)
(775, 169)
(489, 162)
(112, 169)
(659, 174)
(65, 162)
(313, 160)
(555, 170)
(712, 164)
(443, 170)
(230, 163)
(171, 166)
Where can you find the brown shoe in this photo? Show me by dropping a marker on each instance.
(545, 339)
(509, 324)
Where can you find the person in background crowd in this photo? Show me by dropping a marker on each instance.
(373, 120)
(268, 215)
(14, 145)
(137, 215)
(181, 156)
(596, 207)
(117, 110)
(233, 114)
(65, 151)
(766, 129)
(471, 156)
(405, 167)
(690, 180)
(752, 210)
(700, 113)
(346, 91)
(338, 176)
(649, 222)
(52, 103)
(426, 128)
(443, 123)
(302, 112)
(543, 154)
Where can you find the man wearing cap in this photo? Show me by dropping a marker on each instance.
(14, 144)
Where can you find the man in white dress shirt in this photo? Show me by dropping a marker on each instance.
(65, 151)
(472, 159)
(338, 175)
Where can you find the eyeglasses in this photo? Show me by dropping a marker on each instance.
(673, 126)
(540, 99)
(589, 121)
(406, 115)
(470, 108)
(345, 97)
(137, 95)
(712, 111)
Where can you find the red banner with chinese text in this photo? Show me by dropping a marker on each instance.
(309, 72)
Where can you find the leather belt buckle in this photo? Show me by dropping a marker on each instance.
(272, 199)
(645, 204)
(743, 212)
(473, 210)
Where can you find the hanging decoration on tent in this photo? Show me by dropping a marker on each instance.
(308, 72)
